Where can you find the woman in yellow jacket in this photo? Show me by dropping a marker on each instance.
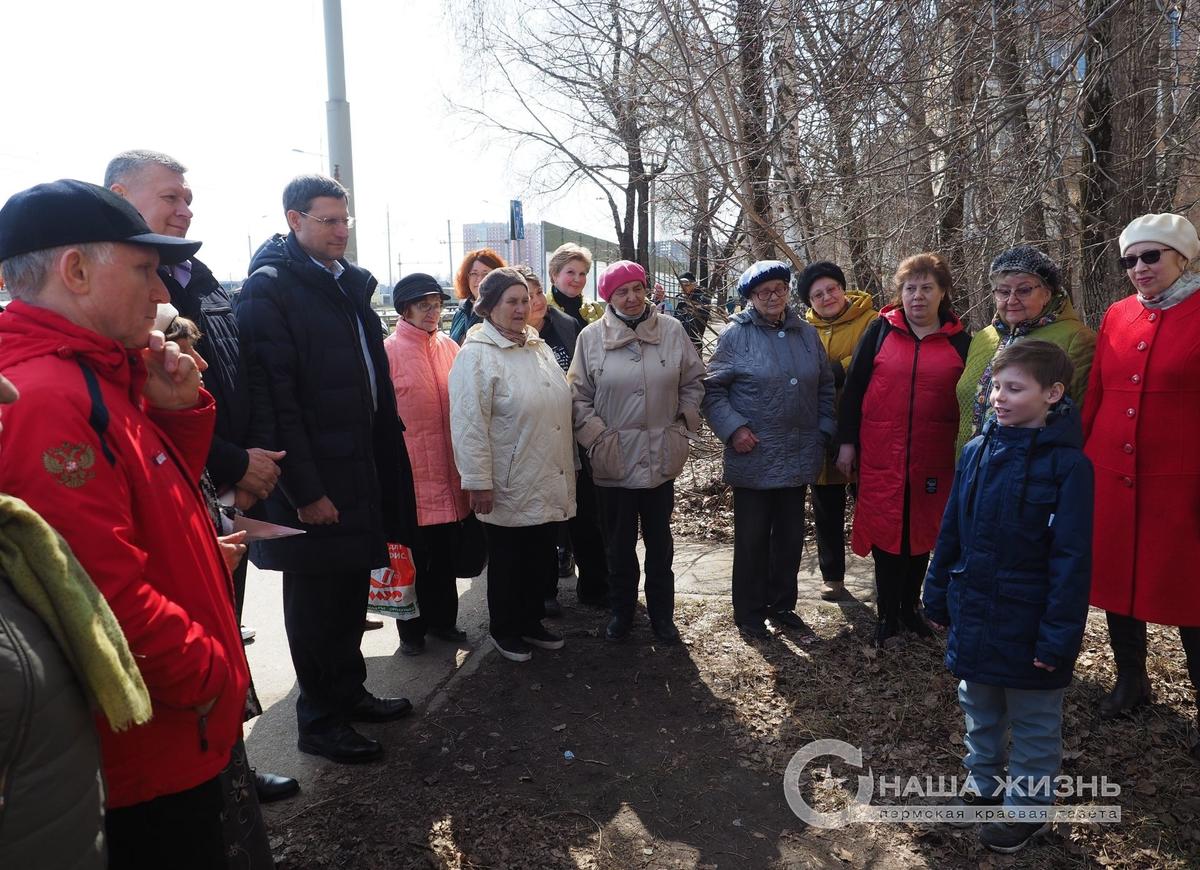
(840, 316)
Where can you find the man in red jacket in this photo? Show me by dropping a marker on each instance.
(107, 445)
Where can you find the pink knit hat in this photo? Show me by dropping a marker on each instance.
(618, 274)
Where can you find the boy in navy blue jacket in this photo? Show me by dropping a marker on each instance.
(1010, 578)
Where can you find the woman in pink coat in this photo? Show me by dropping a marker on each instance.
(1139, 423)
(420, 356)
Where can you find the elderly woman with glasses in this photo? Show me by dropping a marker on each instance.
(896, 427)
(420, 357)
(1140, 424)
(768, 396)
(1031, 302)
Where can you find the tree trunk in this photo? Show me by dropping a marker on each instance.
(752, 121)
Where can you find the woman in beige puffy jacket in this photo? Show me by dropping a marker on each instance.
(635, 382)
(510, 421)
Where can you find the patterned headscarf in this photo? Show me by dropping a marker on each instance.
(980, 409)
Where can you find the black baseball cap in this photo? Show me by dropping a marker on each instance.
(70, 212)
(688, 277)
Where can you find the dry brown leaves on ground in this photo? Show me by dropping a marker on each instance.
(635, 755)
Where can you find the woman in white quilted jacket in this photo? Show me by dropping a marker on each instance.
(510, 421)
(636, 385)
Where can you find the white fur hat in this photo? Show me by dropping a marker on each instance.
(1167, 229)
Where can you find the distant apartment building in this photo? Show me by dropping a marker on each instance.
(529, 251)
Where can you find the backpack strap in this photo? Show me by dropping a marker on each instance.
(98, 415)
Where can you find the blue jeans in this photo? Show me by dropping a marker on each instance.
(1034, 717)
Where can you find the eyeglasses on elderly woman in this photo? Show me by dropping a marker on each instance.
(1022, 292)
(1148, 257)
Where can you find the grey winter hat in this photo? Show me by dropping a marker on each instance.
(493, 285)
(1028, 259)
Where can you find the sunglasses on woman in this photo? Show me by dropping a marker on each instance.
(1147, 257)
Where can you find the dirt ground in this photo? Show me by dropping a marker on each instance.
(677, 757)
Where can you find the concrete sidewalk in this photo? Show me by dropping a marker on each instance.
(702, 570)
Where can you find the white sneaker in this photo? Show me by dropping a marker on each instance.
(247, 634)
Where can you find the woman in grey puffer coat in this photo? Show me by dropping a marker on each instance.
(769, 396)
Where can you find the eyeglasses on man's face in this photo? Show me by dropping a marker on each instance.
(347, 222)
(1148, 257)
(768, 294)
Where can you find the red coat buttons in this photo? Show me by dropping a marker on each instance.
(1130, 412)
(1128, 481)
(1141, 345)
(1128, 448)
(1137, 379)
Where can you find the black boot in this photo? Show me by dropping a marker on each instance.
(913, 621)
(1128, 639)
(886, 628)
(887, 598)
(1132, 690)
(910, 601)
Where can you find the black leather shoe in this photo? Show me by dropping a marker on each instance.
(453, 634)
(341, 744)
(665, 631)
(791, 619)
(1131, 691)
(618, 628)
(271, 787)
(753, 630)
(372, 709)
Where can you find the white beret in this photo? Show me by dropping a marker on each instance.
(1167, 229)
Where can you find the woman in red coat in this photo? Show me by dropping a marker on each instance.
(1140, 423)
(897, 424)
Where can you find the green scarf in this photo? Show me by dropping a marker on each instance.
(52, 583)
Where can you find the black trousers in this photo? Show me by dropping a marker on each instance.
(587, 539)
(898, 579)
(829, 517)
(520, 559)
(323, 616)
(623, 510)
(1127, 636)
(768, 543)
(239, 586)
(181, 830)
(437, 587)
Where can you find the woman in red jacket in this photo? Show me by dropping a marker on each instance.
(1139, 423)
(896, 425)
(419, 357)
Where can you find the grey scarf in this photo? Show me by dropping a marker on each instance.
(1187, 284)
